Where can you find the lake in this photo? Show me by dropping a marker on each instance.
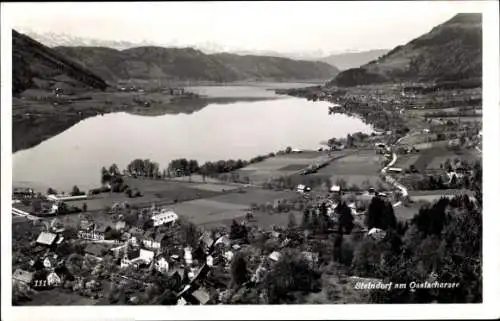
(231, 130)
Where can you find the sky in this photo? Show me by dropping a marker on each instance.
(277, 26)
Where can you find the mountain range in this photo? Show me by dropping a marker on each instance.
(342, 60)
(449, 52)
(94, 66)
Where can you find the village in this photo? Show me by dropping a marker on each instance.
(193, 239)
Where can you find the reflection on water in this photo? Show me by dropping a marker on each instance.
(241, 129)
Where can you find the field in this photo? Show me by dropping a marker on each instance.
(417, 138)
(432, 158)
(466, 119)
(282, 165)
(364, 165)
(155, 191)
(404, 161)
(433, 193)
(263, 220)
(226, 207)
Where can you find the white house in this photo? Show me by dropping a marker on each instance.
(53, 279)
(377, 233)
(162, 265)
(133, 241)
(47, 263)
(228, 255)
(61, 197)
(188, 256)
(153, 240)
(301, 188)
(164, 217)
(352, 206)
(335, 189)
(146, 255)
(275, 256)
(210, 261)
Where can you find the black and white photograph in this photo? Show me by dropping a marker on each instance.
(286, 155)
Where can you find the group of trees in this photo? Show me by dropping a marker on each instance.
(351, 140)
(238, 231)
(184, 167)
(144, 168)
(289, 278)
(441, 243)
(286, 282)
(380, 214)
(114, 178)
(318, 221)
(374, 113)
(76, 191)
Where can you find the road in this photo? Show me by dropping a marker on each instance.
(392, 180)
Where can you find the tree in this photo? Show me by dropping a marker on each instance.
(105, 176)
(453, 181)
(238, 231)
(349, 141)
(113, 170)
(51, 191)
(291, 274)
(75, 191)
(380, 214)
(36, 206)
(189, 234)
(346, 219)
(337, 247)
(443, 243)
(315, 224)
(239, 270)
(306, 218)
(292, 223)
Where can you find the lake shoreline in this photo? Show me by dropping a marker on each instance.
(163, 133)
(38, 115)
(31, 126)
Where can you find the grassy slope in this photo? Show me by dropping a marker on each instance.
(34, 64)
(450, 51)
(190, 64)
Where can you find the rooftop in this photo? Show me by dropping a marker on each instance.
(22, 275)
(46, 238)
(201, 295)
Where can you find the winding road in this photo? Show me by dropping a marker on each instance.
(392, 180)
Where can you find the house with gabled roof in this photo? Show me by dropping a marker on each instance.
(53, 279)
(201, 296)
(161, 265)
(206, 241)
(22, 276)
(275, 256)
(223, 241)
(153, 240)
(46, 238)
(120, 225)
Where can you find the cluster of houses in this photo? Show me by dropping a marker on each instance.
(174, 91)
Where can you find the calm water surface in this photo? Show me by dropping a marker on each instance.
(218, 131)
